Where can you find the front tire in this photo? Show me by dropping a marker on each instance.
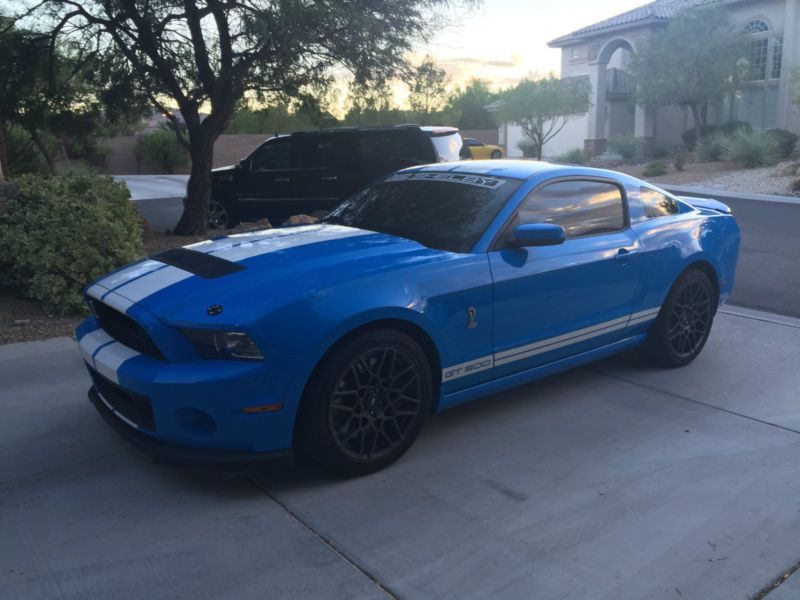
(684, 322)
(219, 215)
(365, 404)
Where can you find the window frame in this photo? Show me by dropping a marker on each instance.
(499, 241)
(275, 141)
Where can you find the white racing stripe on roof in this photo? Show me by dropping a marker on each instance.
(90, 343)
(96, 291)
(110, 358)
(141, 288)
(116, 301)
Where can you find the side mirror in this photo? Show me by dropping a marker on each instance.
(244, 164)
(538, 234)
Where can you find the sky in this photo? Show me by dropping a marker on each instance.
(504, 40)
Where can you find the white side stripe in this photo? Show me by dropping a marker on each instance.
(547, 345)
(110, 358)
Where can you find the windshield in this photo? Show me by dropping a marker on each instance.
(447, 211)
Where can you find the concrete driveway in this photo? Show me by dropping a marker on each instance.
(615, 481)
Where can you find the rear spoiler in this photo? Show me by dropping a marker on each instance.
(708, 203)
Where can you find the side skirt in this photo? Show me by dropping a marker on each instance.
(532, 374)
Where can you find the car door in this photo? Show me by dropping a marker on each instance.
(328, 173)
(265, 185)
(551, 302)
(476, 148)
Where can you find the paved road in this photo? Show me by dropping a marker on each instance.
(768, 274)
(615, 481)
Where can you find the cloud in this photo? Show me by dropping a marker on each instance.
(514, 62)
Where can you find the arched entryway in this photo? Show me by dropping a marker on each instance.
(614, 110)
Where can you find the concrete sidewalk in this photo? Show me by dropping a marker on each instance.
(615, 481)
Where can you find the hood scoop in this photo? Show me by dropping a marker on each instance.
(197, 263)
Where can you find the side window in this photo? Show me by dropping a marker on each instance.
(657, 204)
(473, 142)
(272, 156)
(581, 207)
(322, 151)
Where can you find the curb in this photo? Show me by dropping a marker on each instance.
(726, 195)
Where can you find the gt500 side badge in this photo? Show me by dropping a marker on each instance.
(467, 368)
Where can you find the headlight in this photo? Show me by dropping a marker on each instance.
(225, 345)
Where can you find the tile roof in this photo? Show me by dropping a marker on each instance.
(660, 10)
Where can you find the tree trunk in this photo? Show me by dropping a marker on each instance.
(198, 191)
(3, 153)
(48, 157)
(698, 135)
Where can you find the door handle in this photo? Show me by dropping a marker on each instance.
(624, 254)
(282, 179)
(330, 178)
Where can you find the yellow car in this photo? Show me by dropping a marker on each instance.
(480, 150)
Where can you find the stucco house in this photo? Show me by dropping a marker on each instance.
(601, 51)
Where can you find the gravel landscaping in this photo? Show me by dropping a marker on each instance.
(753, 181)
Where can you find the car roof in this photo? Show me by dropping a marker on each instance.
(515, 169)
(430, 129)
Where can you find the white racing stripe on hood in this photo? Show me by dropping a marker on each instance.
(246, 246)
(143, 279)
(110, 358)
(131, 272)
(141, 288)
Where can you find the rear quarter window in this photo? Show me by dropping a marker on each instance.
(657, 204)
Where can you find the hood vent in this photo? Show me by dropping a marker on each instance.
(197, 263)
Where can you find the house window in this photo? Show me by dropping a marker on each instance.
(758, 59)
(756, 26)
(777, 55)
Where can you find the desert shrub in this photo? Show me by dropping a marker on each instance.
(786, 141)
(679, 160)
(654, 169)
(22, 154)
(688, 136)
(657, 150)
(712, 147)
(161, 149)
(576, 156)
(61, 232)
(627, 146)
(530, 149)
(734, 126)
(757, 149)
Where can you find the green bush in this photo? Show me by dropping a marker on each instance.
(626, 146)
(786, 141)
(733, 126)
(750, 150)
(657, 150)
(712, 147)
(689, 135)
(530, 149)
(654, 169)
(161, 149)
(61, 232)
(679, 160)
(576, 156)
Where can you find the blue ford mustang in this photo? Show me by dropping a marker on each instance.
(434, 286)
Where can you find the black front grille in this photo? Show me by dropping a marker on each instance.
(124, 329)
(132, 406)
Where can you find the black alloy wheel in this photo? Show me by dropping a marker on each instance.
(217, 215)
(365, 404)
(684, 322)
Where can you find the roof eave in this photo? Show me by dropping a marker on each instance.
(573, 38)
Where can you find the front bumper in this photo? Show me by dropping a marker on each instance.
(206, 459)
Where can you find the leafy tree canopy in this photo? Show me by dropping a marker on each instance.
(542, 107)
(693, 62)
(208, 54)
(427, 88)
(470, 102)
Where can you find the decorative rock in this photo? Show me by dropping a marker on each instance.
(300, 220)
(787, 168)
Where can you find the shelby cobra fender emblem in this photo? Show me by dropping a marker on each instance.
(472, 316)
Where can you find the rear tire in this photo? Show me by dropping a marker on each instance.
(365, 404)
(220, 215)
(496, 154)
(681, 330)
